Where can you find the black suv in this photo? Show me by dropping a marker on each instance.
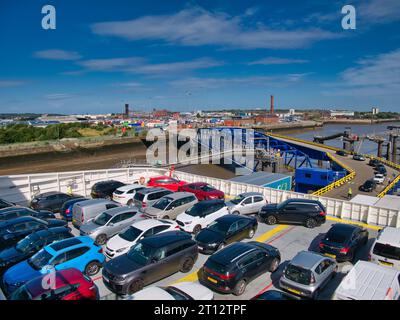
(368, 186)
(380, 168)
(51, 201)
(310, 213)
(150, 260)
(234, 267)
(11, 231)
(5, 204)
(16, 212)
(105, 189)
(374, 162)
(31, 244)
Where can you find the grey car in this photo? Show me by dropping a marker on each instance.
(150, 260)
(170, 206)
(247, 203)
(307, 274)
(84, 211)
(109, 223)
(148, 196)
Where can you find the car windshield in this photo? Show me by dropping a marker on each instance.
(238, 199)
(387, 251)
(196, 210)
(162, 203)
(207, 188)
(298, 274)
(369, 183)
(130, 234)
(177, 294)
(102, 219)
(40, 259)
(27, 243)
(21, 294)
(336, 237)
(282, 204)
(140, 253)
(219, 227)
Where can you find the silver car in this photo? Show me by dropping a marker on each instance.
(148, 196)
(170, 206)
(109, 223)
(247, 203)
(307, 274)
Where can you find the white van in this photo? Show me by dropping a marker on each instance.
(369, 281)
(386, 248)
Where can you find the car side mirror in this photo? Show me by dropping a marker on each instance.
(111, 224)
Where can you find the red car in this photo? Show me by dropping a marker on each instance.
(70, 284)
(166, 182)
(203, 191)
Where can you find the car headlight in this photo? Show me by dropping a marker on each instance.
(213, 245)
(122, 249)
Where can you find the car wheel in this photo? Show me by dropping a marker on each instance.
(221, 246)
(92, 268)
(101, 239)
(107, 197)
(135, 286)
(236, 212)
(197, 229)
(270, 220)
(311, 223)
(187, 265)
(166, 217)
(251, 234)
(274, 265)
(240, 288)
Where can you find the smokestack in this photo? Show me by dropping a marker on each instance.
(272, 105)
(127, 110)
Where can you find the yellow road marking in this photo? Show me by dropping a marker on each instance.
(361, 224)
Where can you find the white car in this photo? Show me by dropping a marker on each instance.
(124, 195)
(179, 291)
(201, 215)
(122, 242)
(379, 178)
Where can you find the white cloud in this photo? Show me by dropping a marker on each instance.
(197, 27)
(275, 60)
(11, 83)
(112, 64)
(55, 54)
(57, 96)
(379, 11)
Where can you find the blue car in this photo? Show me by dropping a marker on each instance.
(80, 253)
(66, 208)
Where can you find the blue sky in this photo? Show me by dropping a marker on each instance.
(198, 55)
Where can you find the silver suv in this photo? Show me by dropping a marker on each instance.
(247, 203)
(170, 206)
(109, 223)
(148, 196)
(307, 274)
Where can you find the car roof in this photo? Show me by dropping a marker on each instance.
(118, 210)
(344, 227)
(249, 194)
(389, 235)
(47, 232)
(67, 244)
(197, 183)
(49, 193)
(147, 224)
(166, 238)
(230, 218)
(161, 177)
(130, 187)
(18, 220)
(107, 182)
(304, 201)
(206, 203)
(178, 195)
(92, 202)
(233, 252)
(14, 209)
(151, 190)
(307, 259)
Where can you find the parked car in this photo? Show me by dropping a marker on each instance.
(150, 260)
(6, 204)
(170, 206)
(274, 295)
(374, 162)
(79, 252)
(247, 203)
(109, 223)
(386, 248)
(310, 213)
(105, 189)
(66, 211)
(178, 291)
(307, 274)
(368, 186)
(11, 231)
(343, 241)
(379, 178)
(148, 196)
(16, 212)
(85, 210)
(31, 244)
(225, 230)
(231, 269)
(165, 182)
(124, 195)
(341, 153)
(201, 215)
(202, 191)
(381, 169)
(69, 284)
(358, 157)
(368, 281)
(122, 242)
(51, 201)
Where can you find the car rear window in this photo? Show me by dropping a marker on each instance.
(65, 244)
(387, 251)
(298, 274)
(138, 196)
(336, 237)
(216, 267)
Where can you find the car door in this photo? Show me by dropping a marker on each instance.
(251, 264)
(115, 225)
(289, 213)
(324, 271)
(246, 205)
(159, 266)
(214, 212)
(259, 202)
(76, 258)
(233, 233)
(51, 202)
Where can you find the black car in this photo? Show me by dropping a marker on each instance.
(31, 244)
(342, 241)
(341, 153)
(51, 201)
(358, 157)
(6, 204)
(225, 230)
(11, 231)
(150, 260)
(368, 186)
(231, 269)
(380, 168)
(275, 295)
(65, 211)
(105, 189)
(374, 162)
(310, 213)
(16, 212)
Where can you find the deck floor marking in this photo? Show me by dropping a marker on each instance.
(361, 224)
